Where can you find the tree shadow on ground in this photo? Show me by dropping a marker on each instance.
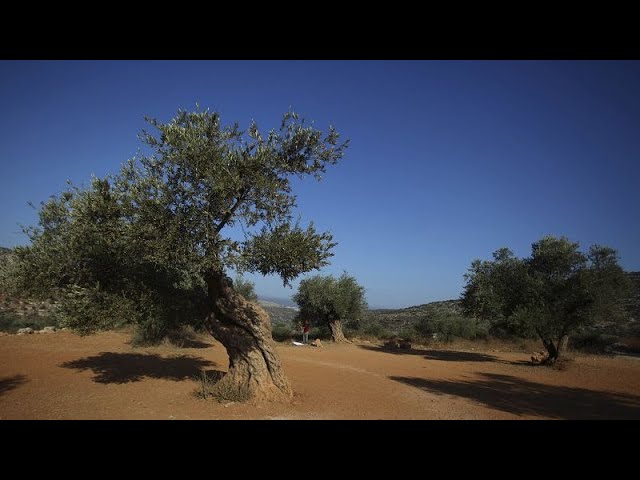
(442, 355)
(521, 397)
(110, 367)
(9, 383)
(457, 356)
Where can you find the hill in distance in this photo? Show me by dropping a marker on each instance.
(280, 301)
(394, 320)
(280, 312)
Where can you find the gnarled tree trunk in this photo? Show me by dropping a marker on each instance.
(336, 332)
(552, 351)
(563, 343)
(555, 349)
(244, 328)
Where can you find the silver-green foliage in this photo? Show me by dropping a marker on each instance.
(245, 288)
(325, 299)
(137, 246)
(550, 294)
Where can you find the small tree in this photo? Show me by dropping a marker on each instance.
(325, 299)
(245, 288)
(552, 293)
(160, 230)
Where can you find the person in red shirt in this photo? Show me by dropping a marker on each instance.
(305, 331)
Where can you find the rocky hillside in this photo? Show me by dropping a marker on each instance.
(396, 320)
(279, 313)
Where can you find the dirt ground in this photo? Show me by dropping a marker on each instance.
(65, 376)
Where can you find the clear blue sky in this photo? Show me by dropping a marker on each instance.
(448, 160)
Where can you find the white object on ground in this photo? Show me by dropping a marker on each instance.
(297, 343)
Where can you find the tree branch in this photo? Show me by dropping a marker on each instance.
(231, 211)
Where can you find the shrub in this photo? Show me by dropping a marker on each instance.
(179, 337)
(408, 333)
(282, 332)
(447, 328)
(225, 391)
(11, 322)
(376, 330)
(593, 342)
(213, 385)
(206, 382)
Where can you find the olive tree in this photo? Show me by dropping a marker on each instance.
(330, 300)
(552, 293)
(168, 224)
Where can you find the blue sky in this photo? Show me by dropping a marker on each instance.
(448, 160)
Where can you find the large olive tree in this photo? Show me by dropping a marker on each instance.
(165, 223)
(552, 293)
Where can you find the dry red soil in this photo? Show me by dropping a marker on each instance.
(65, 376)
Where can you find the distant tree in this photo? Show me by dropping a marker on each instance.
(158, 231)
(551, 293)
(331, 301)
(245, 288)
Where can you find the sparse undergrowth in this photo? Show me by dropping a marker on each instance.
(181, 337)
(213, 385)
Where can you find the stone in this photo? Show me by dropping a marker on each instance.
(538, 357)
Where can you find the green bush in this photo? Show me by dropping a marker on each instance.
(448, 328)
(319, 331)
(282, 332)
(426, 327)
(590, 341)
(376, 330)
(408, 333)
(11, 322)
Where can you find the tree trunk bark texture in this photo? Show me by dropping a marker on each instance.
(336, 332)
(563, 342)
(552, 351)
(244, 328)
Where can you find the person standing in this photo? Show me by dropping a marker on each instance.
(305, 331)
